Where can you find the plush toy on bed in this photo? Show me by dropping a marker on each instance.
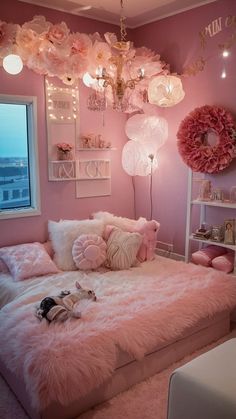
(63, 306)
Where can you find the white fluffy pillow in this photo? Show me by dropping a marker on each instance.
(122, 249)
(126, 224)
(63, 234)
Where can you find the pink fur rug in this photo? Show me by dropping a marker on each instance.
(146, 400)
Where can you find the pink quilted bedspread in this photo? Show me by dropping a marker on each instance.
(135, 311)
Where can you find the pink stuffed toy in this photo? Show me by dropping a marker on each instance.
(149, 230)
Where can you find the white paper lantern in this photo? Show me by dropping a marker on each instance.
(12, 64)
(136, 159)
(165, 91)
(151, 128)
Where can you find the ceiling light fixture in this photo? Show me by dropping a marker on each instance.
(115, 80)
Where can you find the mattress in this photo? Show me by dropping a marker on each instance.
(138, 313)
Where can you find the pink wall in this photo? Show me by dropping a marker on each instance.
(58, 198)
(176, 40)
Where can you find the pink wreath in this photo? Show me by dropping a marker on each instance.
(192, 139)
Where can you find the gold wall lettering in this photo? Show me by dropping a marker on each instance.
(212, 29)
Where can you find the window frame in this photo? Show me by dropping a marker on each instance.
(31, 111)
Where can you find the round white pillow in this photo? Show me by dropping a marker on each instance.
(89, 251)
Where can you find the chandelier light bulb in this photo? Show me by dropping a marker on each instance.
(12, 64)
(88, 80)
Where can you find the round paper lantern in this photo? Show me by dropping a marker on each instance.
(143, 128)
(165, 91)
(136, 159)
(12, 64)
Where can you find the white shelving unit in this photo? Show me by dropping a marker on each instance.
(203, 218)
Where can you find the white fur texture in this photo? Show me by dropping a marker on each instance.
(63, 234)
(123, 223)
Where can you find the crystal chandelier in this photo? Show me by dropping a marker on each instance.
(118, 60)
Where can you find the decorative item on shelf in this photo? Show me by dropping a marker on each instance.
(64, 151)
(204, 190)
(229, 231)
(217, 233)
(198, 130)
(217, 195)
(233, 194)
(203, 233)
(93, 141)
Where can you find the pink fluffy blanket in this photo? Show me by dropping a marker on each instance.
(136, 310)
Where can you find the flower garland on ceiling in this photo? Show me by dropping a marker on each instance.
(192, 139)
(51, 49)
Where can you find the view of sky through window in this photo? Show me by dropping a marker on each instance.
(13, 132)
(14, 173)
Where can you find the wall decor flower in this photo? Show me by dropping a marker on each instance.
(52, 50)
(193, 145)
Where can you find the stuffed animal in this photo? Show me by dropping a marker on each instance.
(63, 306)
(149, 230)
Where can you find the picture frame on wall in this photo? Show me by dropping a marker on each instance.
(229, 231)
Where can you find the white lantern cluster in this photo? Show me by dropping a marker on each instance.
(147, 133)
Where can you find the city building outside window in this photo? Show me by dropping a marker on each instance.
(19, 174)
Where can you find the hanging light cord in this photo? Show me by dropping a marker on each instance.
(123, 32)
(151, 157)
(133, 183)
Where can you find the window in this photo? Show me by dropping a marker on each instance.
(19, 177)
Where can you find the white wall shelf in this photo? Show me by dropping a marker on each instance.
(96, 149)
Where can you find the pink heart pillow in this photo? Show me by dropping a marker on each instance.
(89, 251)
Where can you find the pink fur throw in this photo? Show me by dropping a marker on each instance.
(136, 310)
(205, 256)
(148, 229)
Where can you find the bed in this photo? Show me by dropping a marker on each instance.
(145, 318)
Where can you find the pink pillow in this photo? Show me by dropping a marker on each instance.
(224, 263)
(27, 260)
(204, 256)
(89, 251)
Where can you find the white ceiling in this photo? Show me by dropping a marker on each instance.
(137, 12)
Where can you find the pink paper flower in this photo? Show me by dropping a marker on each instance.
(7, 37)
(58, 33)
(80, 44)
(38, 25)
